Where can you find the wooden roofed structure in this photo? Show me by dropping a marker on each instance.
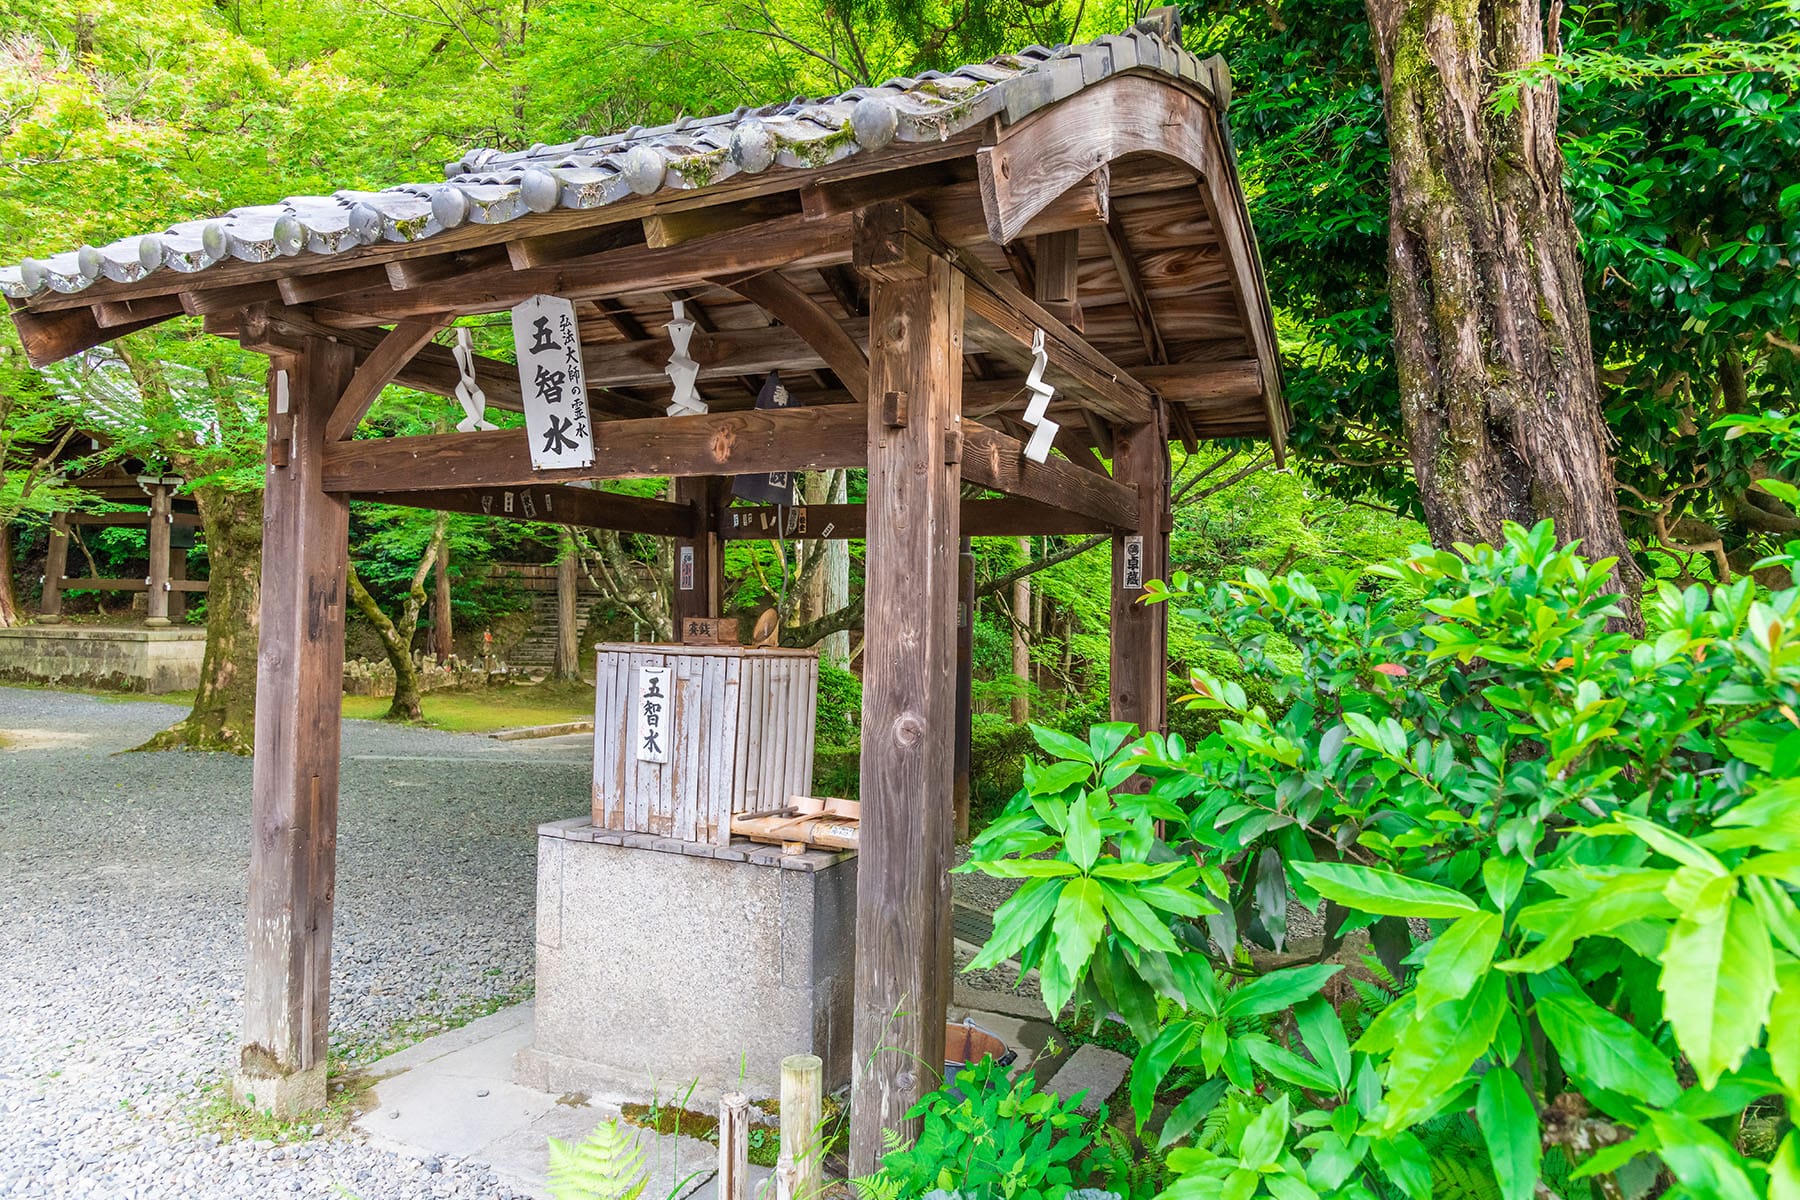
(893, 252)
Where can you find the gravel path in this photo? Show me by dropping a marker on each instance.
(122, 881)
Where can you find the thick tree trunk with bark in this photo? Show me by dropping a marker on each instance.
(397, 636)
(443, 632)
(9, 600)
(1497, 383)
(224, 712)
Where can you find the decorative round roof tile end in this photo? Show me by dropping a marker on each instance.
(539, 190)
(752, 146)
(449, 206)
(643, 168)
(873, 122)
(150, 251)
(290, 235)
(90, 263)
(34, 275)
(365, 223)
(214, 240)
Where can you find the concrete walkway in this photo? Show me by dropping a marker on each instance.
(451, 1097)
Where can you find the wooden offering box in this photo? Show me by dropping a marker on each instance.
(686, 735)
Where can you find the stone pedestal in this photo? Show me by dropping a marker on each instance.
(131, 659)
(662, 964)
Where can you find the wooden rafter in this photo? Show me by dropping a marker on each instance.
(557, 504)
(835, 344)
(994, 460)
(377, 370)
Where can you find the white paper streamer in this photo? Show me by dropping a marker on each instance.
(468, 392)
(683, 371)
(1043, 436)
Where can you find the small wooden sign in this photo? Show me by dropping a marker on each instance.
(550, 376)
(653, 714)
(710, 631)
(1134, 563)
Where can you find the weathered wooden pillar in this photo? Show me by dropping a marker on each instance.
(568, 588)
(965, 684)
(1140, 632)
(178, 573)
(909, 663)
(56, 568)
(699, 560)
(299, 682)
(156, 609)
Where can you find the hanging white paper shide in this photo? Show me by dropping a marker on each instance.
(551, 379)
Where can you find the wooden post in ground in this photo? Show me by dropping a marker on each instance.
(568, 636)
(299, 685)
(156, 613)
(909, 666)
(800, 1169)
(734, 1147)
(700, 560)
(56, 567)
(1140, 632)
(965, 684)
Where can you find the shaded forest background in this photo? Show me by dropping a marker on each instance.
(1680, 124)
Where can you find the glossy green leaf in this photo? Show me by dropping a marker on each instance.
(1323, 1033)
(1192, 1110)
(1718, 978)
(1082, 835)
(1080, 919)
(1509, 1126)
(1061, 745)
(1017, 921)
(1602, 1048)
(1265, 1136)
(1457, 959)
(1134, 920)
(1278, 990)
(1405, 1162)
(1784, 1169)
(1435, 1050)
(1700, 1159)
(1784, 1030)
(1383, 892)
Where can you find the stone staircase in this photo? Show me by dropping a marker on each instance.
(537, 649)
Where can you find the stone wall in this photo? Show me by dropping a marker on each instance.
(120, 659)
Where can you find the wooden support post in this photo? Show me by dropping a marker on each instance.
(299, 686)
(178, 573)
(699, 560)
(734, 1147)
(1057, 277)
(56, 566)
(800, 1169)
(568, 635)
(909, 670)
(1140, 632)
(156, 609)
(965, 684)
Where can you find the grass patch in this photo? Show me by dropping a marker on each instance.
(765, 1143)
(490, 709)
(410, 1031)
(349, 1092)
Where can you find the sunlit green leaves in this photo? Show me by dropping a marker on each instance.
(1718, 978)
(1383, 892)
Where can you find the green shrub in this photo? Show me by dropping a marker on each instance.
(1601, 835)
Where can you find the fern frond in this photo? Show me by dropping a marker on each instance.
(880, 1185)
(605, 1165)
(1457, 1178)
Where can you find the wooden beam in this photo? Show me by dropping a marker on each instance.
(378, 369)
(1100, 384)
(1008, 517)
(1202, 382)
(119, 314)
(1056, 281)
(1139, 677)
(721, 354)
(558, 504)
(53, 336)
(741, 443)
(1125, 266)
(294, 788)
(698, 588)
(991, 459)
(835, 344)
(229, 299)
(303, 289)
(909, 706)
(156, 608)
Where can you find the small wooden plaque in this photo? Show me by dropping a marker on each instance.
(710, 631)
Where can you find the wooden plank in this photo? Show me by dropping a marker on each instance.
(697, 585)
(303, 289)
(129, 520)
(294, 786)
(1056, 277)
(691, 720)
(56, 562)
(902, 903)
(53, 336)
(1009, 517)
(1140, 632)
(96, 584)
(375, 371)
(776, 295)
(228, 299)
(561, 504)
(119, 314)
(1125, 265)
(994, 460)
(740, 443)
(156, 608)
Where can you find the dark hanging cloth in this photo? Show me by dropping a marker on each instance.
(776, 488)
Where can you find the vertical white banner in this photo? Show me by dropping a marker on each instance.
(1134, 563)
(653, 714)
(687, 568)
(550, 377)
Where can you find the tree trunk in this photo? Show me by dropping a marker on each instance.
(443, 632)
(9, 601)
(224, 713)
(1021, 644)
(568, 635)
(397, 636)
(1497, 384)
